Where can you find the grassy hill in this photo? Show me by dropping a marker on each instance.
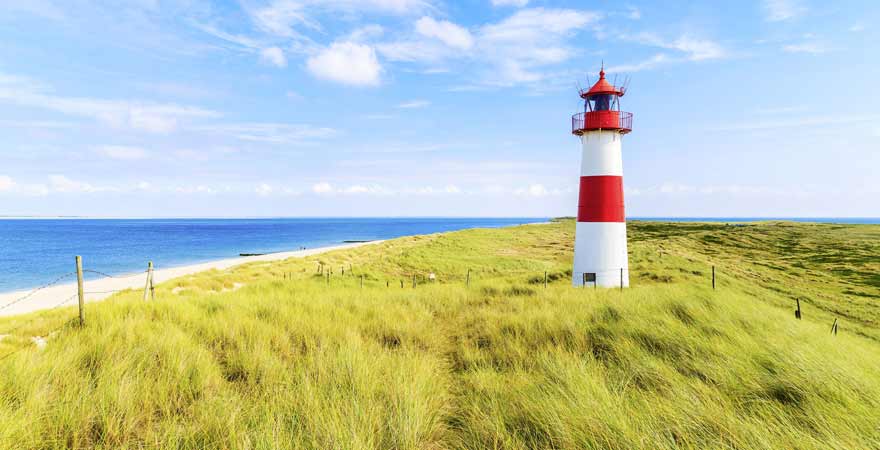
(272, 355)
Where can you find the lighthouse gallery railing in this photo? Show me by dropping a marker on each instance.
(597, 120)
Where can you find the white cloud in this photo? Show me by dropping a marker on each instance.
(633, 13)
(857, 28)
(781, 10)
(806, 47)
(799, 122)
(274, 56)
(364, 33)
(322, 188)
(263, 190)
(650, 63)
(516, 3)
(346, 63)
(276, 133)
(6, 183)
(520, 46)
(122, 152)
(539, 190)
(449, 33)
(139, 115)
(695, 49)
(414, 104)
(282, 17)
(60, 183)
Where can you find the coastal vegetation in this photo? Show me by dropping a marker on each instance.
(281, 355)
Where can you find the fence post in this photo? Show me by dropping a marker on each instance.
(149, 275)
(328, 278)
(713, 278)
(621, 278)
(362, 281)
(834, 327)
(152, 284)
(468, 279)
(79, 290)
(545, 279)
(401, 284)
(797, 312)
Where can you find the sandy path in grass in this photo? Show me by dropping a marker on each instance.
(102, 288)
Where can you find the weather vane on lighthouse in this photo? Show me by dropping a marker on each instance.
(600, 256)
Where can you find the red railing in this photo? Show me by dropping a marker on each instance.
(601, 120)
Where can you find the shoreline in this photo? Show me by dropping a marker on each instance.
(101, 288)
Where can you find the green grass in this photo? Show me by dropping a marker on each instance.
(269, 355)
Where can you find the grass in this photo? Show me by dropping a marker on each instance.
(269, 355)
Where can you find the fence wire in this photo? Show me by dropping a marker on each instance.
(35, 290)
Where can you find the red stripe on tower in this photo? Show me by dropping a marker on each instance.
(601, 199)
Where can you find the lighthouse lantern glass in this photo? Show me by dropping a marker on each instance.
(601, 102)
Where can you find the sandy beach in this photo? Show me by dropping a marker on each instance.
(97, 290)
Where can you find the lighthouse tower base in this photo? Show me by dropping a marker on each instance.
(600, 256)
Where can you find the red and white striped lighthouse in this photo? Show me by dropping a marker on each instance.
(600, 256)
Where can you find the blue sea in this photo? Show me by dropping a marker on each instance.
(36, 251)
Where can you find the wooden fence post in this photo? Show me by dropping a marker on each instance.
(713, 278)
(834, 327)
(621, 278)
(148, 282)
(545, 279)
(797, 312)
(79, 290)
(152, 283)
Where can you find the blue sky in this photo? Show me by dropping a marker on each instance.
(437, 108)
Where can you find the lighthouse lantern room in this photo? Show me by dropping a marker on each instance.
(600, 256)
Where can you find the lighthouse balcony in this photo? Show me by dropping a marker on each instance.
(601, 120)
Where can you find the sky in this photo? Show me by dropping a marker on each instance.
(192, 108)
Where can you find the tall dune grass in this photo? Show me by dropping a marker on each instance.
(271, 356)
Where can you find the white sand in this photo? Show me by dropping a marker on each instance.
(100, 289)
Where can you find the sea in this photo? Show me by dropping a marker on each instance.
(34, 252)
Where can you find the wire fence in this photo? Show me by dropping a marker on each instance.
(347, 275)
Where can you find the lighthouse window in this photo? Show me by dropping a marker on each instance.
(603, 102)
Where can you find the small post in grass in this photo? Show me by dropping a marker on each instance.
(328, 278)
(467, 281)
(834, 327)
(147, 285)
(79, 290)
(387, 283)
(401, 284)
(621, 279)
(545, 279)
(797, 312)
(362, 281)
(414, 281)
(713, 278)
(152, 285)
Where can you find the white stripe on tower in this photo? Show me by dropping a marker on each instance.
(600, 239)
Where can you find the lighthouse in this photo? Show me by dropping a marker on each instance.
(600, 257)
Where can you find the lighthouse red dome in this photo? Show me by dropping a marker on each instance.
(602, 87)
